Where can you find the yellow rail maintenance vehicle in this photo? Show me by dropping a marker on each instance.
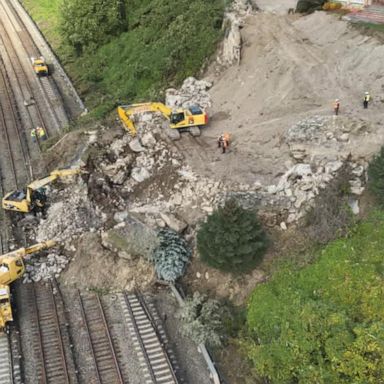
(12, 268)
(33, 198)
(39, 65)
(180, 120)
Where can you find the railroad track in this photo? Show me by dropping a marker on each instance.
(29, 113)
(102, 349)
(44, 91)
(52, 367)
(6, 371)
(17, 154)
(149, 340)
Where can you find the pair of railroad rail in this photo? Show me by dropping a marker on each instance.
(57, 363)
(150, 340)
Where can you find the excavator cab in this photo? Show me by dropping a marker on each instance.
(11, 268)
(17, 200)
(177, 117)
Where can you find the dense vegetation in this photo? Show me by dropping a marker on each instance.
(232, 239)
(376, 177)
(124, 50)
(324, 323)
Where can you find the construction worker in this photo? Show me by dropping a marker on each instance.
(223, 141)
(367, 98)
(41, 133)
(33, 135)
(336, 106)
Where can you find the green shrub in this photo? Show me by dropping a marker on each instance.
(324, 323)
(376, 176)
(232, 239)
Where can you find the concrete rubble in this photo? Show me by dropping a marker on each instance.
(45, 268)
(69, 217)
(66, 220)
(192, 92)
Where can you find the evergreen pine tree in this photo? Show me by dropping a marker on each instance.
(232, 239)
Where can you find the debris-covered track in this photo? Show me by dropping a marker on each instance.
(150, 340)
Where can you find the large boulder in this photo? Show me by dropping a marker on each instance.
(130, 239)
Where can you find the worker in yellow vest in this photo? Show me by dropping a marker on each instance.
(367, 98)
(336, 106)
(41, 133)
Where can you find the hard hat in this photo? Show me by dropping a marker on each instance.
(367, 93)
(337, 100)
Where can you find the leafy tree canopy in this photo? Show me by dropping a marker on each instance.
(324, 323)
(90, 23)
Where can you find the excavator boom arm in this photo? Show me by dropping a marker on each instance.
(56, 174)
(126, 112)
(40, 246)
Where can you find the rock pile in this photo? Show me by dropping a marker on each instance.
(45, 268)
(68, 218)
(193, 197)
(233, 22)
(192, 92)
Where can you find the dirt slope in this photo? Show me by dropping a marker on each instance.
(291, 67)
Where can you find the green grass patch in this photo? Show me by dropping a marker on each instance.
(323, 323)
(46, 14)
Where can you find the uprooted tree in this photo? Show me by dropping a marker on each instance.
(232, 239)
(171, 256)
(202, 319)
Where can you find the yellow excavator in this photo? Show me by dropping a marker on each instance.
(12, 268)
(32, 198)
(182, 119)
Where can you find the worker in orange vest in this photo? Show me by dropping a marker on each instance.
(336, 106)
(223, 141)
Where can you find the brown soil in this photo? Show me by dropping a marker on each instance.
(95, 267)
